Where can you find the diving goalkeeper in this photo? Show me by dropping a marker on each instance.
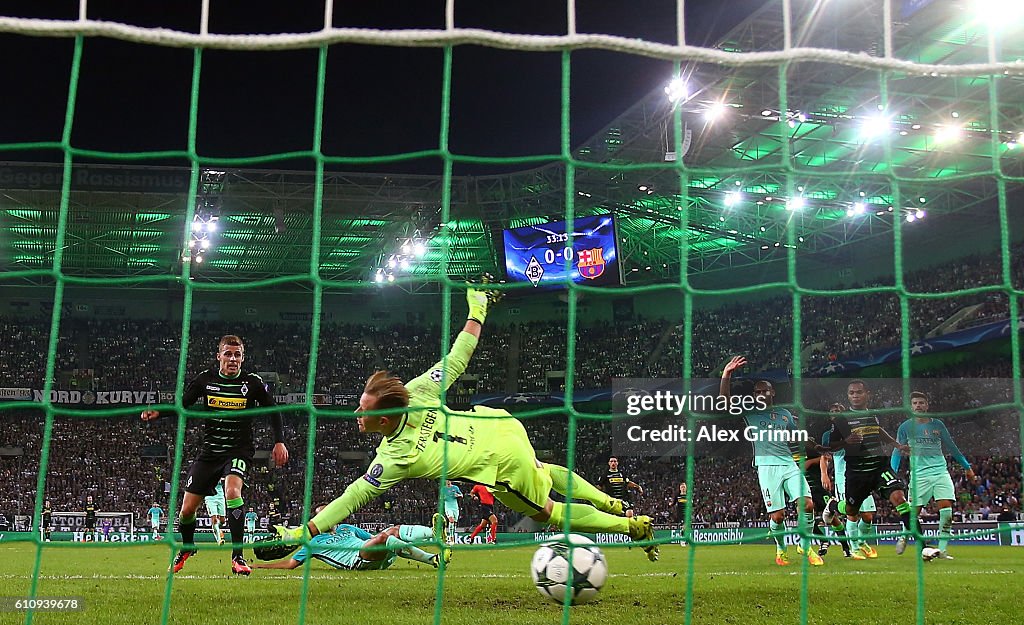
(484, 446)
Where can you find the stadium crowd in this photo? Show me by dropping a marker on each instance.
(123, 474)
(144, 353)
(104, 457)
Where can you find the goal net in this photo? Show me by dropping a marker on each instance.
(896, 113)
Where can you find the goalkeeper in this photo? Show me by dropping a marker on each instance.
(484, 446)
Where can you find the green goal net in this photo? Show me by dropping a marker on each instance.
(889, 114)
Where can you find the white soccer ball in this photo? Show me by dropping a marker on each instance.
(554, 576)
(929, 553)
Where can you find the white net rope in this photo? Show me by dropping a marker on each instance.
(455, 36)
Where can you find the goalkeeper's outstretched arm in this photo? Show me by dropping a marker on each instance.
(452, 366)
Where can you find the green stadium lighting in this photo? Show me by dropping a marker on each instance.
(948, 134)
(715, 112)
(732, 198)
(875, 126)
(796, 203)
(677, 90)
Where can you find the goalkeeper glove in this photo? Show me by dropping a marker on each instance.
(479, 300)
(477, 305)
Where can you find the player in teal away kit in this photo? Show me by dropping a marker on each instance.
(250, 523)
(154, 520)
(452, 495)
(216, 506)
(353, 548)
(483, 446)
(779, 476)
(929, 475)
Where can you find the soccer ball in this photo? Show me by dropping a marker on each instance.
(929, 553)
(554, 577)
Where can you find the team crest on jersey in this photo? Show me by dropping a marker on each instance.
(245, 388)
(436, 375)
(591, 263)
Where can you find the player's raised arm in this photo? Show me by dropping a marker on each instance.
(454, 365)
(724, 387)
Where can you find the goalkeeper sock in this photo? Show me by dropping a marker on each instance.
(415, 533)
(945, 527)
(216, 531)
(237, 525)
(584, 518)
(581, 488)
(407, 551)
(187, 527)
(776, 533)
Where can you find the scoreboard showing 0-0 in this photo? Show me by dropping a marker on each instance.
(538, 254)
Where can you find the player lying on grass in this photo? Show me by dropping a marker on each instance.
(483, 446)
(353, 548)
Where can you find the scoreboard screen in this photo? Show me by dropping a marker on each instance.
(538, 254)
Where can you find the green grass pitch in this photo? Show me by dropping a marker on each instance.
(731, 584)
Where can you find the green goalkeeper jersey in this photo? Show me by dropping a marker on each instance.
(417, 448)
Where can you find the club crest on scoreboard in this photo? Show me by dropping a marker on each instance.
(591, 263)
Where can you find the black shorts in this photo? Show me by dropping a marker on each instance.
(486, 510)
(859, 486)
(203, 475)
(820, 496)
(90, 522)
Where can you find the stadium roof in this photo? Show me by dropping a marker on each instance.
(857, 161)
